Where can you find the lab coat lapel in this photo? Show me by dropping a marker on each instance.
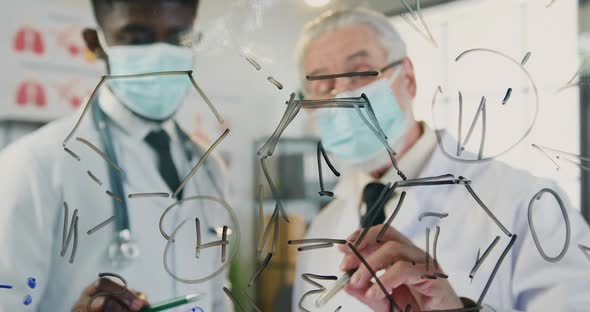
(206, 181)
(455, 258)
(348, 193)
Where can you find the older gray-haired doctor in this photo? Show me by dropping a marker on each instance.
(447, 277)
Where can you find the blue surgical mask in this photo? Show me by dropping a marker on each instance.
(344, 133)
(153, 97)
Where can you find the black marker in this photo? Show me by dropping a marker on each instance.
(316, 246)
(343, 75)
(566, 244)
(260, 268)
(320, 150)
(525, 58)
(253, 63)
(69, 151)
(432, 214)
(251, 302)
(93, 177)
(233, 299)
(101, 225)
(114, 196)
(200, 162)
(507, 96)
(307, 277)
(100, 153)
(275, 82)
(479, 260)
(585, 250)
(460, 125)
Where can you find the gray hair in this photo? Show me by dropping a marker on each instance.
(333, 20)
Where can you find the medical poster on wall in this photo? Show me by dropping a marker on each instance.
(47, 72)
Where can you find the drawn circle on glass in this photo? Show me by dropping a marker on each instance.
(170, 238)
(566, 244)
(528, 129)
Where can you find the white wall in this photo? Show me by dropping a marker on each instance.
(514, 28)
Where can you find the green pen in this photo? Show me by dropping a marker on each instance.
(172, 303)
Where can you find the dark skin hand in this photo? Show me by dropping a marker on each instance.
(131, 300)
(132, 23)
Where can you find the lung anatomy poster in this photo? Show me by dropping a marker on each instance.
(47, 70)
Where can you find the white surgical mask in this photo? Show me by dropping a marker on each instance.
(345, 135)
(153, 97)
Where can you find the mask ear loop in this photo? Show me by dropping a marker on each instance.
(377, 128)
(395, 74)
(102, 40)
(371, 112)
(379, 134)
(398, 72)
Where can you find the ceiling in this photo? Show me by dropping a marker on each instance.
(391, 7)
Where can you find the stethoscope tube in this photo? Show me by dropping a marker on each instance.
(123, 249)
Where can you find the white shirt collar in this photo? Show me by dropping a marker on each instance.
(412, 164)
(415, 159)
(131, 124)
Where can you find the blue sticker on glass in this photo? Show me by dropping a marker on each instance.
(32, 282)
(28, 300)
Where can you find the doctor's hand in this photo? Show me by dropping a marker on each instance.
(405, 273)
(129, 301)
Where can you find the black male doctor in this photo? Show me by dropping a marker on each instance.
(38, 177)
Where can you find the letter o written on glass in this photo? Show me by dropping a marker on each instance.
(566, 244)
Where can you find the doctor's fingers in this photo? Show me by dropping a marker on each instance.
(402, 297)
(401, 273)
(99, 304)
(370, 238)
(391, 250)
(109, 303)
(388, 254)
(434, 293)
(351, 261)
(112, 294)
(373, 304)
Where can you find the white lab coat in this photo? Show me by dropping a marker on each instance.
(524, 282)
(37, 176)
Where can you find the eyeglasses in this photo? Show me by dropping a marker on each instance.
(182, 38)
(362, 74)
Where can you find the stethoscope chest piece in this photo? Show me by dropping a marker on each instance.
(123, 250)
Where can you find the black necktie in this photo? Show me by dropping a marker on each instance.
(375, 214)
(160, 142)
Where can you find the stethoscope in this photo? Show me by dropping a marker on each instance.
(124, 249)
